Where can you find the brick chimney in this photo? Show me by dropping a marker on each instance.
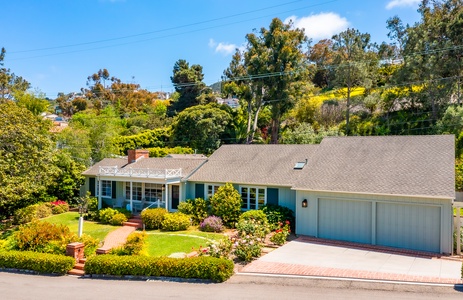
(134, 155)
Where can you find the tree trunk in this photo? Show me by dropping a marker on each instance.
(348, 101)
(275, 131)
(249, 134)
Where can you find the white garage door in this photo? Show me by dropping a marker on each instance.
(345, 220)
(408, 226)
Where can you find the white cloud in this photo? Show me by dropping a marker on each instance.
(224, 48)
(401, 3)
(320, 26)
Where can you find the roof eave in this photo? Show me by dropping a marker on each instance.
(376, 194)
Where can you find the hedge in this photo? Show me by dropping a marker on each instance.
(203, 267)
(39, 262)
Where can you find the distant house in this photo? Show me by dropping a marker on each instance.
(232, 102)
(59, 123)
(394, 191)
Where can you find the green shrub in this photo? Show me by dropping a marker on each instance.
(106, 214)
(226, 204)
(24, 215)
(118, 219)
(277, 214)
(42, 237)
(204, 267)
(152, 217)
(247, 248)
(127, 213)
(175, 222)
(198, 209)
(134, 245)
(92, 207)
(252, 227)
(32, 212)
(221, 248)
(281, 234)
(91, 244)
(39, 262)
(162, 151)
(256, 215)
(42, 210)
(58, 207)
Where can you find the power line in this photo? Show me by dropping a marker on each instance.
(157, 31)
(166, 36)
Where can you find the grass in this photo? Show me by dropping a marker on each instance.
(165, 243)
(71, 219)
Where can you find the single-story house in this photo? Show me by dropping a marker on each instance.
(394, 190)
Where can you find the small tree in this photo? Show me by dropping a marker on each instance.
(226, 203)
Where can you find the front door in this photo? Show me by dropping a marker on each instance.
(175, 192)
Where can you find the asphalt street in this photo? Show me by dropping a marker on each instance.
(16, 286)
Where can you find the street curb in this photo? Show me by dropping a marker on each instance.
(350, 279)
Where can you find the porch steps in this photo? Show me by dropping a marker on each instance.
(135, 221)
(78, 269)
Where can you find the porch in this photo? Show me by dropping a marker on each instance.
(138, 189)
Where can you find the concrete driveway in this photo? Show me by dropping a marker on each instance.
(300, 257)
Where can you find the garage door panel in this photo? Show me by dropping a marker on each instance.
(408, 226)
(346, 220)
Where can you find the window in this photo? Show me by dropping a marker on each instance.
(252, 197)
(136, 190)
(153, 192)
(106, 188)
(211, 190)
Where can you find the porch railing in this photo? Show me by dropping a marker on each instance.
(139, 172)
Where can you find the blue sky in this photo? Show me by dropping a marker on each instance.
(56, 45)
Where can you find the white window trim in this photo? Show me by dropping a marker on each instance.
(97, 186)
(257, 193)
(206, 189)
(143, 190)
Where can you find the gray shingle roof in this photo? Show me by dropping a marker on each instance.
(187, 165)
(255, 164)
(401, 165)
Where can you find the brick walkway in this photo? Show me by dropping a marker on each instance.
(116, 238)
(294, 263)
(301, 270)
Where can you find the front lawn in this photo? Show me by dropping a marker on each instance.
(165, 243)
(71, 219)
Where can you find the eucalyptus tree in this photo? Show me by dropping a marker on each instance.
(432, 57)
(355, 62)
(270, 71)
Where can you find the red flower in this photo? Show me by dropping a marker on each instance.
(287, 222)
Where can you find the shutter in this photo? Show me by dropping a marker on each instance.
(91, 184)
(199, 190)
(113, 189)
(272, 196)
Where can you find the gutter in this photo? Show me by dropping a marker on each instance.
(377, 194)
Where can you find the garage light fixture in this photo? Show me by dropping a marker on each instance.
(304, 203)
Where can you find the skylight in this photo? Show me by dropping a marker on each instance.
(300, 165)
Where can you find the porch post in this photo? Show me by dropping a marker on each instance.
(100, 204)
(131, 197)
(458, 230)
(166, 195)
